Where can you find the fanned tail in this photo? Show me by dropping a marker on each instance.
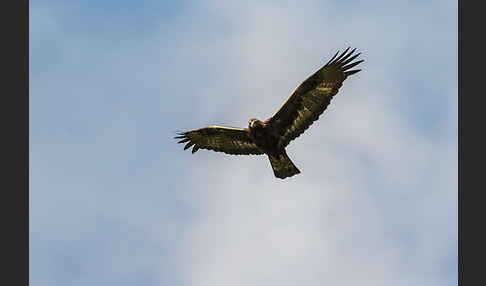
(282, 166)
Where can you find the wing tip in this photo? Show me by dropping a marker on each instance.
(183, 139)
(348, 73)
(344, 58)
(180, 134)
(342, 54)
(330, 61)
(347, 67)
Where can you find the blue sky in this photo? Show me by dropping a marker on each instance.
(114, 199)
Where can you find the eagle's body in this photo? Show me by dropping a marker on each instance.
(271, 136)
(264, 136)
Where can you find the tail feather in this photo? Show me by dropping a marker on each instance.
(282, 166)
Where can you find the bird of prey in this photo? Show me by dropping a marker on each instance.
(271, 136)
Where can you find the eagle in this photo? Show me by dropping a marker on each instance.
(304, 106)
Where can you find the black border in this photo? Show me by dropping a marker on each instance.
(470, 123)
(15, 142)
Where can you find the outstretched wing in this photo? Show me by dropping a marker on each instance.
(311, 97)
(235, 141)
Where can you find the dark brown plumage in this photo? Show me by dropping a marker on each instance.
(302, 108)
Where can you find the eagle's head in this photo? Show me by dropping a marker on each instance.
(254, 123)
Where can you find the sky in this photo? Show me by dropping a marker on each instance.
(115, 201)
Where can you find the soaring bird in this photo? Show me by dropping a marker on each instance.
(271, 136)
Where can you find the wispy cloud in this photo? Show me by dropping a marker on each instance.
(115, 200)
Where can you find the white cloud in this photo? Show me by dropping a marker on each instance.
(327, 225)
(375, 204)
